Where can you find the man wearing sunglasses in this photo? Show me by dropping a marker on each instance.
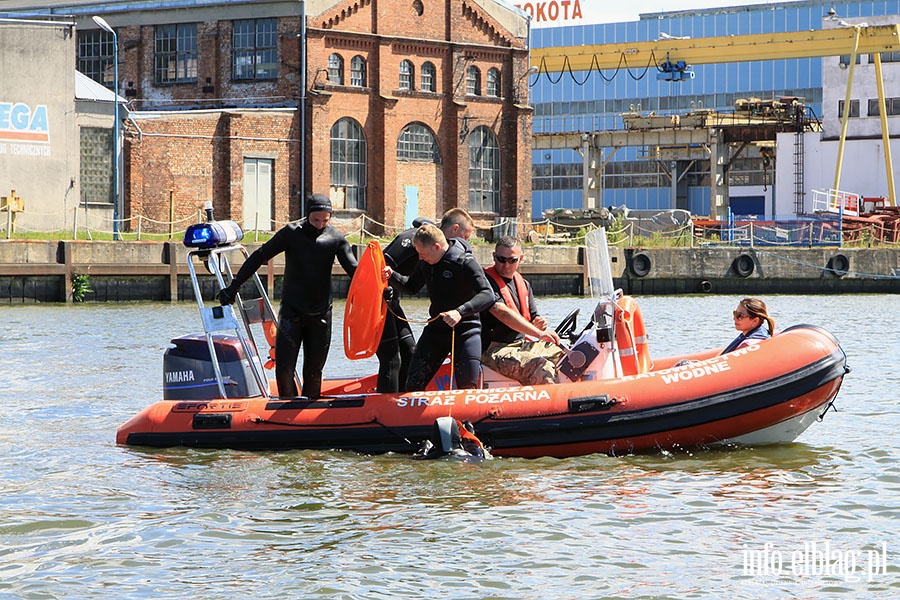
(514, 316)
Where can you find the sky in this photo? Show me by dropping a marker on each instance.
(615, 11)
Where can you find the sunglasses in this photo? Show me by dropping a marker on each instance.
(507, 259)
(739, 316)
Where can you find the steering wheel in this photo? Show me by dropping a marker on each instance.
(567, 326)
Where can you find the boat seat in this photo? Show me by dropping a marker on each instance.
(492, 379)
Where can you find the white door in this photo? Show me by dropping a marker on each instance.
(258, 194)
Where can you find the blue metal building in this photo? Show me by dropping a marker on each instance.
(591, 101)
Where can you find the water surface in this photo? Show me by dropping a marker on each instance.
(81, 517)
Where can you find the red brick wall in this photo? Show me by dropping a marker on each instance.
(195, 157)
(199, 156)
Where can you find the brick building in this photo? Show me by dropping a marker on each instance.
(397, 108)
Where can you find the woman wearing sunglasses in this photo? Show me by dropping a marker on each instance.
(749, 318)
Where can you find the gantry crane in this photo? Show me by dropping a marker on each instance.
(673, 58)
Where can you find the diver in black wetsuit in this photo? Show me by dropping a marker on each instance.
(397, 342)
(310, 248)
(459, 290)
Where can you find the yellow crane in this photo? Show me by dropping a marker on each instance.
(675, 55)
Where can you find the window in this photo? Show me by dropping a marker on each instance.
(493, 82)
(406, 75)
(845, 60)
(564, 176)
(892, 106)
(854, 108)
(335, 69)
(428, 78)
(885, 57)
(95, 56)
(417, 143)
(484, 171)
(358, 71)
(175, 53)
(255, 49)
(348, 162)
(96, 170)
(473, 81)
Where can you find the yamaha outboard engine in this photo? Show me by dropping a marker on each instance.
(454, 439)
(188, 372)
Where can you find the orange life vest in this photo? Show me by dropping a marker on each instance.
(521, 288)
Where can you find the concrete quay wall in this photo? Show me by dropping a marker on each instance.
(43, 271)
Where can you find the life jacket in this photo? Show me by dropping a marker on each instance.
(521, 288)
(755, 336)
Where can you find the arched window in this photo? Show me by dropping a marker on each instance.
(484, 171)
(418, 143)
(348, 162)
(336, 69)
(406, 75)
(473, 81)
(493, 82)
(429, 78)
(358, 71)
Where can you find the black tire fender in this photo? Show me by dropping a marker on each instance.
(743, 265)
(838, 265)
(640, 264)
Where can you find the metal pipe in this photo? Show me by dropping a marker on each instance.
(885, 132)
(101, 22)
(846, 115)
(302, 110)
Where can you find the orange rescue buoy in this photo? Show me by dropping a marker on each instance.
(366, 309)
(631, 337)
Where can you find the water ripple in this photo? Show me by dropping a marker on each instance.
(82, 517)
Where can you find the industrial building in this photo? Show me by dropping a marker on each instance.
(765, 178)
(55, 129)
(395, 109)
(226, 103)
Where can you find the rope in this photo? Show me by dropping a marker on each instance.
(452, 364)
(806, 264)
(373, 421)
(452, 341)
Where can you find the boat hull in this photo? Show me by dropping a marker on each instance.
(769, 393)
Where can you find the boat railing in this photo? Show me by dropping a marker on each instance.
(224, 318)
(836, 201)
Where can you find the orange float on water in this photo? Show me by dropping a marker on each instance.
(366, 309)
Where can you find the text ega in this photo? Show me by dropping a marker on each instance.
(19, 119)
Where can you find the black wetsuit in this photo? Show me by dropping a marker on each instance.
(305, 315)
(456, 282)
(397, 342)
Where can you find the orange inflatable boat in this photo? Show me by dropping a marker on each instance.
(218, 395)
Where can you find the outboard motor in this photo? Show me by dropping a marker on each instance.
(188, 372)
(454, 439)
